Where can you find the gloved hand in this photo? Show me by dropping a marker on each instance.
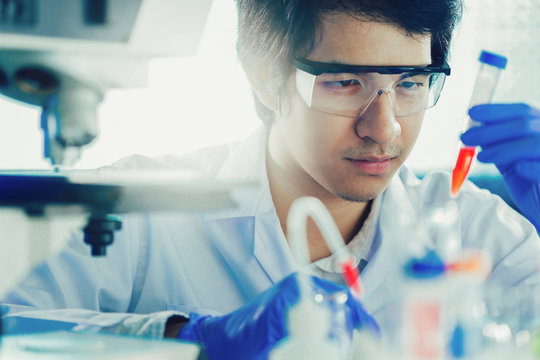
(509, 135)
(252, 331)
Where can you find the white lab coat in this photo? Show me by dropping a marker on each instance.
(215, 262)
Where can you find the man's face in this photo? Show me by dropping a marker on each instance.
(352, 158)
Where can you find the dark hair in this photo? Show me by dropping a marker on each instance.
(277, 31)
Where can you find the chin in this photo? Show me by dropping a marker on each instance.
(364, 191)
(357, 197)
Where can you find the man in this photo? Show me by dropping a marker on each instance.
(342, 88)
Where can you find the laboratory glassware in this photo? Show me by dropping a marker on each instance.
(491, 65)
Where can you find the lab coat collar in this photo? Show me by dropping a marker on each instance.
(264, 240)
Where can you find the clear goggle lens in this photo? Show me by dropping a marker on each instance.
(350, 94)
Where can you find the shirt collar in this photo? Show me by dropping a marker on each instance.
(362, 245)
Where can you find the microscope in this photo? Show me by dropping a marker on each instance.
(62, 56)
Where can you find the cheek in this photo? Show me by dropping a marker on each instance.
(313, 135)
(410, 129)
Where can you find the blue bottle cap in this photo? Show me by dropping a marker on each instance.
(426, 267)
(496, 60)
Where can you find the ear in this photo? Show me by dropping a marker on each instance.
(263, 84)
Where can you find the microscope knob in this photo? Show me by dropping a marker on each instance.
(99, 233)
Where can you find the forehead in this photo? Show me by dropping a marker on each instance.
(345, 39)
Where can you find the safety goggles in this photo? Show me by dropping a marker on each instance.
(348, 90)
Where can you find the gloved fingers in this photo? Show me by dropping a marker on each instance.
(488, 134)
(512, 151)
(289, 285)
(361, 319)
(529, 169)
(492, 113)
(284, 295)
(357, 315)
(328, 287)
(190, 331)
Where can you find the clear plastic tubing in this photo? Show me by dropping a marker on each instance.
(296, 229)
(490, 69)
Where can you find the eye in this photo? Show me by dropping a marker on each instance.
(346, 83)
(410, 85)
(413, 82)
(343, 83)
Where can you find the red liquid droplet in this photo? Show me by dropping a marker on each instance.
(463, 165)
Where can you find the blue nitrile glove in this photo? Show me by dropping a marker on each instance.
(252, 331)
(509, 135)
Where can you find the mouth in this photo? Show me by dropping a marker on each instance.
(372, 165)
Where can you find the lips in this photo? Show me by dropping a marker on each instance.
(372, 165)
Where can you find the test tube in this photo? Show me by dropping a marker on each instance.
(490, 69)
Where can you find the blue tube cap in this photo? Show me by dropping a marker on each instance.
(426, 267)
(493, 59)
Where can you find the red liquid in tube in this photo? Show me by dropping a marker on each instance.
(491, 65)
(461, 170)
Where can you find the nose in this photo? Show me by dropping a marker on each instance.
(378, 122)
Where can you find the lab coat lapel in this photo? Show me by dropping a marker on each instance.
(257, 236)
(250, 237)
(255, 249)
(271, 247)
(234, 239)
